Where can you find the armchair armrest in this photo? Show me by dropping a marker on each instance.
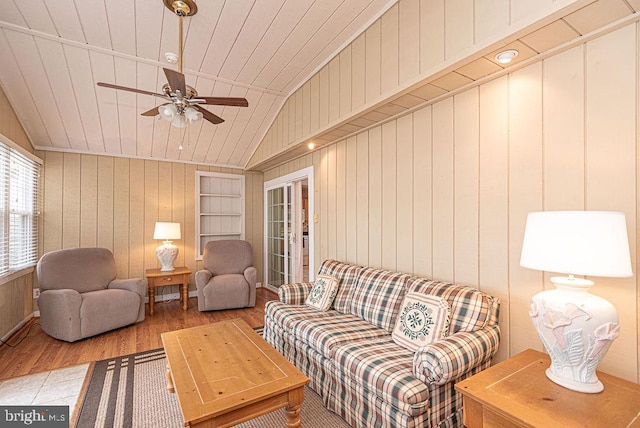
(250, 274)
(446, 360)
(295, 294)
(135, 285)
(60, 313)
(202, 278)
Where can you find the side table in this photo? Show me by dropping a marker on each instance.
(517, 393)
(179, 276)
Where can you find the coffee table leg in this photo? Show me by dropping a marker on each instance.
(292, 411)
(170, 387)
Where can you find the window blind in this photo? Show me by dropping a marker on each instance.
(19, 209)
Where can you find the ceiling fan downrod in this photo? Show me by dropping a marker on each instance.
(181, 8)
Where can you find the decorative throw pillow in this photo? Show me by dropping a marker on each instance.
(422, 319)
(323, 292)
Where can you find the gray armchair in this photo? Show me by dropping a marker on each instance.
(81, 297)
(228, 279)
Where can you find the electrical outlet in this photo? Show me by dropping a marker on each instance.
(36, 293)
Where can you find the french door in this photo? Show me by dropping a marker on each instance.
(278, 224)
(284, 230)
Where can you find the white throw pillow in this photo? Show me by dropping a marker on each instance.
(423, 319)
(323, 292)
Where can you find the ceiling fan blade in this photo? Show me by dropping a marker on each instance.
(124, 88)
(153, 111)
(176, 81)
(208, 115)
(225, 101)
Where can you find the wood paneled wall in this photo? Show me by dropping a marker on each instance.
(411, 41)
(114, 202)
(15, 296)
(444, 192)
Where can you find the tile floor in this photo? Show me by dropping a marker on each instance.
(57, 387)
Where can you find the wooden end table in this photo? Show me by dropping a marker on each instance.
(178, 276)
(517, 393)
(225, 373)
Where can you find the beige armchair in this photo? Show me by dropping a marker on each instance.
(228, 279)
(81, 297)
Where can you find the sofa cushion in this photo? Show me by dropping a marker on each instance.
(347, 275)
(383, 368)
(285, 315)
(327, 333)
(470, 308)
(423, 319)
(323, 292)
(377, 296)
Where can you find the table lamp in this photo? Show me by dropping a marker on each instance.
(575, 326)
(167, 252)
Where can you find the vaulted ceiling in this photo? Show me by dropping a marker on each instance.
(54, 51)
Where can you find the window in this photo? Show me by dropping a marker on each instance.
(19, 209)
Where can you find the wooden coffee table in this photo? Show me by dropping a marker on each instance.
(225, 373)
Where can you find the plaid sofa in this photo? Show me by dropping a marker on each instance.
(352, 361)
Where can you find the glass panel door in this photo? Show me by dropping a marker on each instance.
(290, 237)
(276, 233)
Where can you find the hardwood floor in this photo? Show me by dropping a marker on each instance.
(39, 352)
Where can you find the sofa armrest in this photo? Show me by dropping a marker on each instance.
(446, 360)
(135, 285)
(295, 294)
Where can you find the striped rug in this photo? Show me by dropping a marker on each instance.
(131, 392)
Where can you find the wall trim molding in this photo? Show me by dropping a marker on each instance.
(18, 327)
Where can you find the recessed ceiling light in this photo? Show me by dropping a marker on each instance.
(311, 146)
(505, 57)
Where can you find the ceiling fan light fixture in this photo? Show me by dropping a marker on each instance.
(168, 112)
(192, 114)
(179, 121)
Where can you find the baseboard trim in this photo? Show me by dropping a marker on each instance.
(16, 328)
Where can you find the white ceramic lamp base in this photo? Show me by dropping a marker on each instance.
(167, 253)
(576, 328)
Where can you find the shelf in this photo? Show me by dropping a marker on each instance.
(219, 207)
(221, 195)
(223, 214)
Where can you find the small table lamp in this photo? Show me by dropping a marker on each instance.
(575, 326)
(167, 252)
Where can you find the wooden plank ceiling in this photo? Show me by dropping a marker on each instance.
(54, 51)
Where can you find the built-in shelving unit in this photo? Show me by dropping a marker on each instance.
(219, 207)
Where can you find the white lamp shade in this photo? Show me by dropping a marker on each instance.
(167, 231)
(592, 243)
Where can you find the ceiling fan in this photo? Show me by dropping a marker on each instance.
(182, 101)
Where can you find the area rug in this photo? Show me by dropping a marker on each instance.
(131, 392)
